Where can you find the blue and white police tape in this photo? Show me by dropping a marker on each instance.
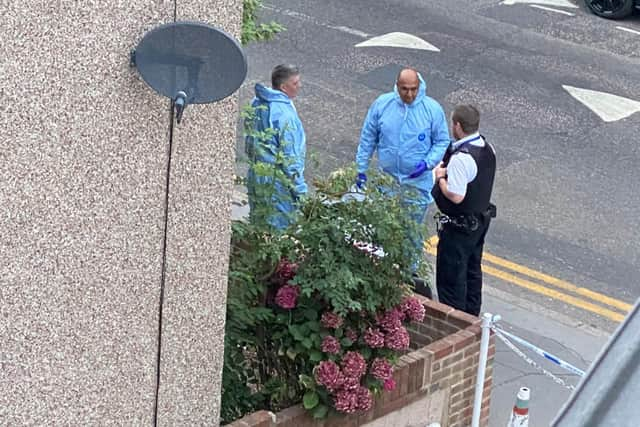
(541, 352)
(527, 359)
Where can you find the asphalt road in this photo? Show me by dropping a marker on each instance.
(566, 181)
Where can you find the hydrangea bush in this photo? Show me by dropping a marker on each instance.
(314, 314)
(317, 313)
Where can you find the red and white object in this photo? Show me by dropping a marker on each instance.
(520, 413)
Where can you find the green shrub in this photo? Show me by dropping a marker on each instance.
(252, 30)
(316, 314)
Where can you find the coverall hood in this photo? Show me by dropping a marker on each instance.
(268, 94)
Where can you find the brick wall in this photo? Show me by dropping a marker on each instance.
(443, 358)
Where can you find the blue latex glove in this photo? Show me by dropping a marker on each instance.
(419, 170)
(361, 180)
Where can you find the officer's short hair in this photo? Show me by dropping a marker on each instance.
(281, 73)
(468, 116)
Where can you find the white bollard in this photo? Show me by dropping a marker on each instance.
(520, 413)
(487, 322)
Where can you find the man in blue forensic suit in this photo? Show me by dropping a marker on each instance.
(277, 139)
(409, 131)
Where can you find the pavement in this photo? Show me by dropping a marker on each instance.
(562, 336)
(568, 338)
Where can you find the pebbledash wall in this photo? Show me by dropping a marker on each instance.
(82, 214)
(435, 381)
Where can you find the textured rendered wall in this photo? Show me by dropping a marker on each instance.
(82, 189)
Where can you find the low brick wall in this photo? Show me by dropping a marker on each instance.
(442, 366)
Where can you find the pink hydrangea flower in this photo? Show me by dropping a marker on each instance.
(389, 384)
(328, 374)
(346, 401)
(381, 369)
(331, 320)
(351, 383)
(286, 270)
(397, 339)
(351, 334)
(413, 309)
(374, 338)
(330, 345)
(287, 296)
(365, 399)
(391, 319)
(354, 365)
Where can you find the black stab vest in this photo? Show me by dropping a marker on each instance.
(476, 200)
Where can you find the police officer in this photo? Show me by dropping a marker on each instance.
(462, 191)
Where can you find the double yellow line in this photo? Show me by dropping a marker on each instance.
(522, 276)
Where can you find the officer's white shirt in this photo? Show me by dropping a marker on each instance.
(462, 169)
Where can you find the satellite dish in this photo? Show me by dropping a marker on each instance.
(191, 63)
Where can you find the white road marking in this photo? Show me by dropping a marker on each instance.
(552, 10)
(304, 17)
(608, 107)
(559, 3)
(351, 31)
(402, 40)
(629, 30)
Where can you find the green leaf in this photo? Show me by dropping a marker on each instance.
(283, 319)
(310, 314)
(310, 400)
(317, 340)
(307, 381)
(339, 332)
(314, 326)
(372, 382)
(346, 342)
(315, 356)
(307, 343)
(295, 332)
(320, 412)
(366, 353)
(323, 393)
(291, 353)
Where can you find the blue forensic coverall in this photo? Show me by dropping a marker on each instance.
(403, 135)
(274, 110)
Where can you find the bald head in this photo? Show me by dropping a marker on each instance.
(408, 74)
(408, 84)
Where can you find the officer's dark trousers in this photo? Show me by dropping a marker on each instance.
(458, 270)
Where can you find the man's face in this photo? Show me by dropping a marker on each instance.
(292, 86)
(408, 85)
